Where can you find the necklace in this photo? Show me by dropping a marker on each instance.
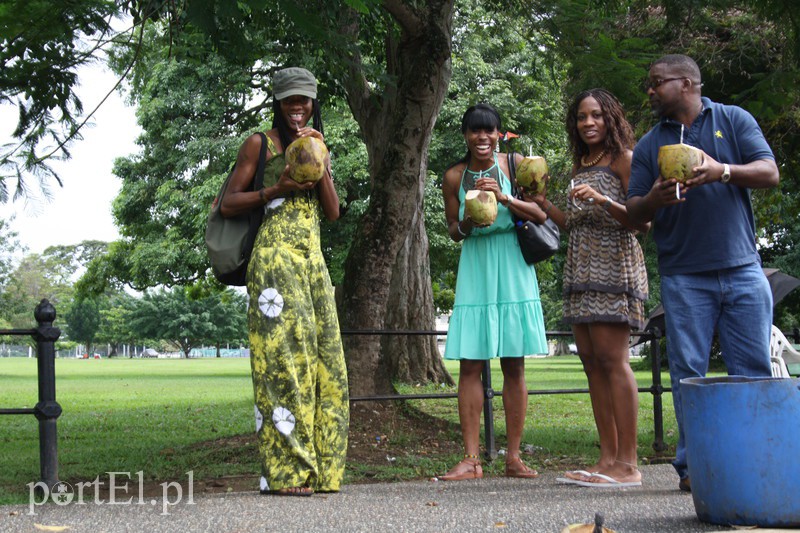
(594, 161)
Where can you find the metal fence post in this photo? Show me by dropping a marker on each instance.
(488, 411)
(658, 392)
(47, 410)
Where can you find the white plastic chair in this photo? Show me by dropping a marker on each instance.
(781, 352)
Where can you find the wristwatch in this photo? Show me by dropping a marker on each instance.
(726, 173)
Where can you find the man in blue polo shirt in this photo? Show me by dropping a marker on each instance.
(711, 277)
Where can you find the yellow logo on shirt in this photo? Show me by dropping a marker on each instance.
(718, 134)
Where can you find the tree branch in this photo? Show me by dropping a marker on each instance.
(404, 15)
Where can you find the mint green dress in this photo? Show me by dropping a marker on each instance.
(296, 355)
(497, 311)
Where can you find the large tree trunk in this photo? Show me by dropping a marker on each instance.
(388, 261)
(413, 358)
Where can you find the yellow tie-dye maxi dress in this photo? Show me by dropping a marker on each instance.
(299, 374)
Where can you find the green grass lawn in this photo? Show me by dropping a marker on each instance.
(124, 415)
(560, 428)
(150, 415)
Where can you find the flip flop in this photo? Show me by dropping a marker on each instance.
(608, 483)
(573, 481)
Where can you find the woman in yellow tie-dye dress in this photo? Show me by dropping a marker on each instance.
(299, 374)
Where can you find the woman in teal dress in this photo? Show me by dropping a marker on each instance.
(296, 355)
(497, 311)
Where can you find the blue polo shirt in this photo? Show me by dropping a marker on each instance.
(715, 227)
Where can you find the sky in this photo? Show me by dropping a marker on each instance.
(81, 209)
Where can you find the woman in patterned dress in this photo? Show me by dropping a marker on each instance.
(296, 355)
(497, 311)
(605, 280)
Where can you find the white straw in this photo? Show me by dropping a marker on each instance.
(678, 191)
(681, 133)
(574, 201)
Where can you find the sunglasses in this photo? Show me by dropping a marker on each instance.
(658, 82)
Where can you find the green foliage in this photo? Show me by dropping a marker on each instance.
(196, 104)
(51, 275)
(351, 178)
(201, 82)
(33, 280)
(41, 46)
(748, 55)
(186, 321)
(500, 59)
(83, 322)
(194, 111)
(9, 246)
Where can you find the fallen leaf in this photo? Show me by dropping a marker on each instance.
(432, 504)
(51, 528)
(499, 524)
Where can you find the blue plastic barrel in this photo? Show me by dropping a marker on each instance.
(743, 449)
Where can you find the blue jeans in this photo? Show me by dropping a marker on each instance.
(737, 303)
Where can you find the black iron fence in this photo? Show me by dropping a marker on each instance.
(47, 410)
(656, 388)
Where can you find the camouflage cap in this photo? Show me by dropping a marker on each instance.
(293, 81)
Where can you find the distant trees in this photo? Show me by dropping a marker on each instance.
(187, 322)
(83, 322)
(185, 317)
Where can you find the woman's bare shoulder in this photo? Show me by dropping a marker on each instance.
(455, 171)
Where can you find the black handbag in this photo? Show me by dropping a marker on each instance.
(536, 241)
(230, 240)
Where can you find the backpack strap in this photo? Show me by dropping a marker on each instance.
(512, 174)
(258, 179)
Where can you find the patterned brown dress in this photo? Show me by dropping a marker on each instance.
(605, 279)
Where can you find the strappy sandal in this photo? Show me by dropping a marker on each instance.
(521, 470)
(468, 468)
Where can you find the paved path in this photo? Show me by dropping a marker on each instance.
(490, 504)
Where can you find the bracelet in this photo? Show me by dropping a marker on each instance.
(510, 200)
(549, 207)
(262, 195)
(607, 203)
(458, 228)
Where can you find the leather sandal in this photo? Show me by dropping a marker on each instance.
(520, 469)
(467, 468)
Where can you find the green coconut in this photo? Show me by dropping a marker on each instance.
(675, 161)
(481, 206)
(531, 172)
(306, 159)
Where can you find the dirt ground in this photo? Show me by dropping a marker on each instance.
(377, 431)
